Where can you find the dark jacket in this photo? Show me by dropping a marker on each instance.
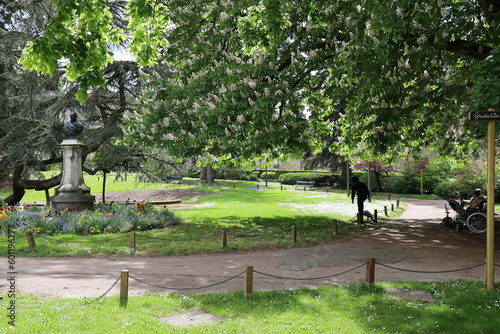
(361, 189)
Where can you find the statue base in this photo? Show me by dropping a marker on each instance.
(72, 194)
(72, 201)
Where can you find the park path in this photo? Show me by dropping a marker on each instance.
(415, 241)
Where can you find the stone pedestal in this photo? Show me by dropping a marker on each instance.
(72, 194)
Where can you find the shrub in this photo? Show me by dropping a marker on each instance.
(268, 176)
(292, 178)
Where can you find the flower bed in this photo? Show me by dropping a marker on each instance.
(105, 219)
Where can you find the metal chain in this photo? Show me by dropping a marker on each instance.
(164, 239)
(430, 271)
(309, 278)
(194, 288)
(82, 242)
(104, 294)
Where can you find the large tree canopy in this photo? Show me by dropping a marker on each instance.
(273, 76)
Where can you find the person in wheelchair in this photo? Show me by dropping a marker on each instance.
(475, 203)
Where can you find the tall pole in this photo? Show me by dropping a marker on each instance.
(490, 214)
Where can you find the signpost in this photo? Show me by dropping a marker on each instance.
(491, 116)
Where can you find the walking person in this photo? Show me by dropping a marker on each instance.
(361, 189)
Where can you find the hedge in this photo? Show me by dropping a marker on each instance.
(320, 178)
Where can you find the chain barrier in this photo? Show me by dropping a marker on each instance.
(430, 271)
(82, 242)
(165, 239)
(194, 288)
(104, 294)
(309, 278)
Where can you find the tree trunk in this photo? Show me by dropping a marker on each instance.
(104, 187)
(210, 175)
(377, 179)
(203, 173)
(19, 185)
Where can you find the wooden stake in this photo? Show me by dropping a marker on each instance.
(249, 283)
(132, 242)
(124, 287)
(31, 240)
(385, 210)
(370, 271)
(375, 215)
(334, 226)
(294, 234)
(224, 239)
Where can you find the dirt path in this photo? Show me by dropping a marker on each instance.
(415, 241)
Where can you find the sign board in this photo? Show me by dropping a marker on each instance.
(484, 116)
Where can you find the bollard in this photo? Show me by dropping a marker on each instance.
(249, 283)
(132, 242)
(281, 187)
(31, 240)
(257, 186)
(375, 215)
(305, 189)
(334, 226)
(385, 210)
(124, 288)
(397, 202)
(370, 271)
(294, 234)
(224, 239)
(389, 196)
(392, 206)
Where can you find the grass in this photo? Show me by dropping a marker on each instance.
(458, 307)
(251, 218)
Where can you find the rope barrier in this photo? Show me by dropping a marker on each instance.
(310, 278)
(104, 294)
(165, 239)
(430, 271)
(82, 242)
(194, 288)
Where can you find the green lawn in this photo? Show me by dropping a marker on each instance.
(458, 307)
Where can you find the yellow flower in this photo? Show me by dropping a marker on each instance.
(3, 215)
(138, 213)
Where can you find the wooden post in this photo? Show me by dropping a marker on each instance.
(370, 271)
(334, 226)
(392, 206)
(249, 283)
(124, 287)
(281, 187)
(359, 217)
(224, 239)
(397, 203)
(389, 196)
(375, 215)
(132, 242)
(305, 189)
(385, 210)
(257, 186)
(31, 240)
(294, 234)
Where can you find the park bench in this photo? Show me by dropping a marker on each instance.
(173, 178)
(305, 184)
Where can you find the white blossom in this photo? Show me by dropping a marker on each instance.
(227, 132)
(240, 118)
(224, 16)
(251, 102)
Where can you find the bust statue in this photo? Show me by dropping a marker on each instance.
(73, 127)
